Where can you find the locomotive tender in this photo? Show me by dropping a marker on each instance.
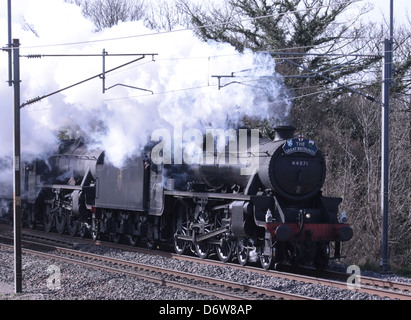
(262, 201)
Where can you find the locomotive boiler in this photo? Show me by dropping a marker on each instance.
(254, 199)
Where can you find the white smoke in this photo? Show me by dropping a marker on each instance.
(121, 120)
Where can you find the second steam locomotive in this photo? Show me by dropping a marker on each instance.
(255, 198)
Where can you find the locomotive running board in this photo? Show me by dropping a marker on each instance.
(63, 186)
(213, 195)
(203, 236)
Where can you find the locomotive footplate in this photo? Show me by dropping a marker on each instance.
(309, 232)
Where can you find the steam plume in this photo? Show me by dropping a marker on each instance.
(122, 120)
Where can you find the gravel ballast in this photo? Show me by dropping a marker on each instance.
(81, 283)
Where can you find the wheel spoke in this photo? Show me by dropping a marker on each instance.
(179, 244)
(133, 240)
(83, 229)
(266, 257)
(48, 218)
(224, 250)
(242, 251)
(322, 256)
(94, 229)
(202, 249)
(72, 225)
(181, 222)
(116, 237)
(61, 220)
(151, 244)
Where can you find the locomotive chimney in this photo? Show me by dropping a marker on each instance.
(284, 133)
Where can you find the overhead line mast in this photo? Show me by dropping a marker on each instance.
(101, 75)
(386, 84)
(13, 49)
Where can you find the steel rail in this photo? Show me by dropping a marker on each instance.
(164, 271)
(374, 286)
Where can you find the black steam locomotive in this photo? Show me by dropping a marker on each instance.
(255, 199)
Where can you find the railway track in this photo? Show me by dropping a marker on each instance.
(373, 286)
(222, 289)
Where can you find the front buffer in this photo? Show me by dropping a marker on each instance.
(315, 232)
(300, 243)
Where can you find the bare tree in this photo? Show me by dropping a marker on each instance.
(163, 15)
(107, 13)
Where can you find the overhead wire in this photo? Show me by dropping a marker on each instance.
(288, 54)
(202, 87)
(278, 51)
(215, 86)
(185, 29)
(242, 82)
